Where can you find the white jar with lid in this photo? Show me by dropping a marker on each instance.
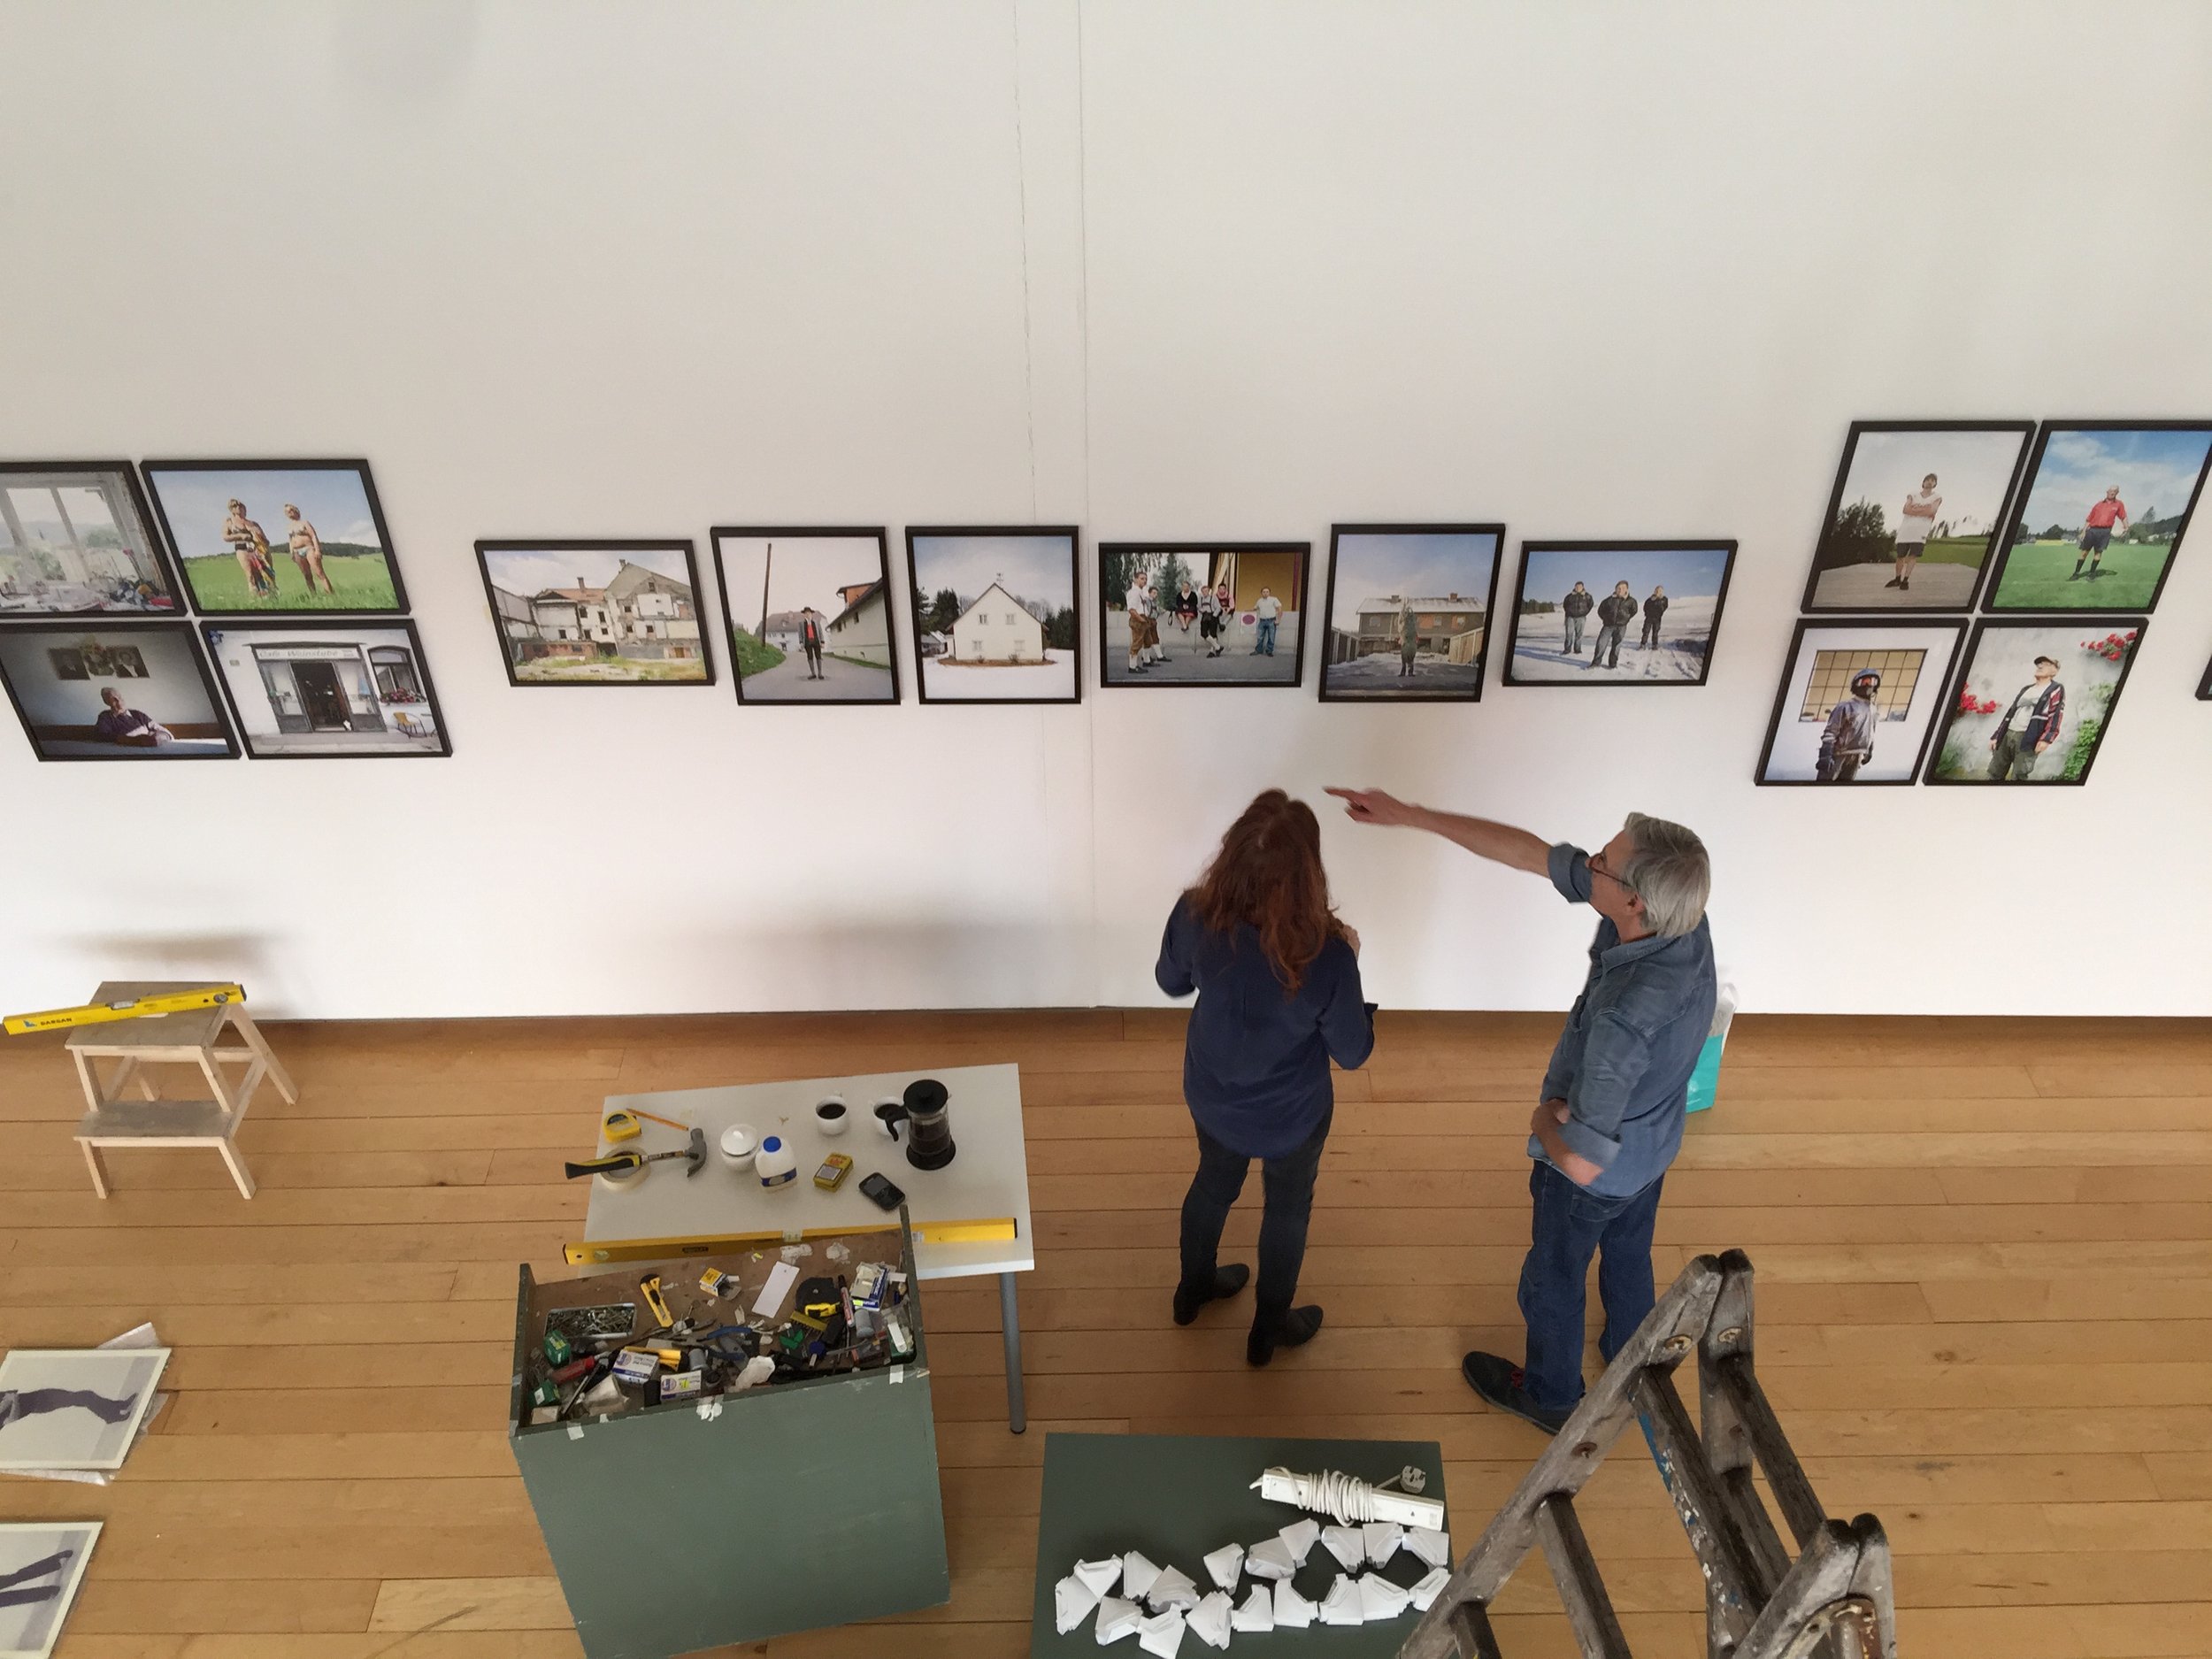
(776, 1165)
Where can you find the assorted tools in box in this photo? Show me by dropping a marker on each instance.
(748, 1318)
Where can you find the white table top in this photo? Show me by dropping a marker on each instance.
(987, 1177)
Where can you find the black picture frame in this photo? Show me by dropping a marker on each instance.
(1959, 627)
(2025, 429)
(1603, 544)
(77, 474)
(486, 550)
(61, 630)
(2204, 686)
(848, 533)
(1303, 551)
(1994, 583)
(148, 470)
(1982, 627)
(289, 625)
(1069, 532)
(1473, 694)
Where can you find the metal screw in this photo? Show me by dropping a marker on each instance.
(1733, 1333)
(1677, 1345)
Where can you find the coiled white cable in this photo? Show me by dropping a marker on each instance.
(1348, 1500)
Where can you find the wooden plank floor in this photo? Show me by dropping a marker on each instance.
(1984, 1250)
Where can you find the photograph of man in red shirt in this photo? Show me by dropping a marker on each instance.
(2110, 514)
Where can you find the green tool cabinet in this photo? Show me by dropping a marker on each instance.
(792, 1507)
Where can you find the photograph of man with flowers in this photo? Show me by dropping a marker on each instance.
(2034, 701)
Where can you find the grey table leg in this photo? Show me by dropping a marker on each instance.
(1010, 1323)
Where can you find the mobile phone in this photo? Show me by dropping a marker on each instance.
(886, 1195)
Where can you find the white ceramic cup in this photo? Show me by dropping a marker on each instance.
(832, 1116)
(738, 1145)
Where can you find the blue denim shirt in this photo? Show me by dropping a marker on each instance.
(1255, 1062)
(1622, 1065)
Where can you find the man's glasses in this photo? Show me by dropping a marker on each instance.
(1598, 868)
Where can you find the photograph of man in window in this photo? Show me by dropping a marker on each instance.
(1847, 743)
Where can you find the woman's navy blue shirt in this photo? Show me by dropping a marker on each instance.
(1255, 1063)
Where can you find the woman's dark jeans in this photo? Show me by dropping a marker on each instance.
(1287, 1182)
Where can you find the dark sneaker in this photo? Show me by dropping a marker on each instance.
(1228, 1282)
(1499, 1382)
(1894, 582)
(1294, 1329)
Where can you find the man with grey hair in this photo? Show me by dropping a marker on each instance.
(1610, 1116)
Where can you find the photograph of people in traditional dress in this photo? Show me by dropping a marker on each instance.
(1618, 612)
(1192, 613)
(808, 614)
(114, 691)
(1916, 508)
(1858, 700)
(596, 613)
(2102, 515)
(260, 536)
(993, 614)
(74, 1408)
(41, 1564)
(77, 538)
(1409, 611)
(2035, 701)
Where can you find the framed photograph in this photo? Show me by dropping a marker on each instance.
(2105, 504)
(257, 537)
(808, 614)
(77, 539)
(347, 689)
(1408, 611)
(74, 1408)
(596, 613)
(2032, 703)
(1612, 613)
(41, 1564)
(1916, 508)
(102, 690)
(1859, 699)
(994, 614)
(1201, 613)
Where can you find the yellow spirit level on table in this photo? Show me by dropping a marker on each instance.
(132, 1007)
(591, 1252)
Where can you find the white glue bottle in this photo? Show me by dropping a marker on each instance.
(775, 1164)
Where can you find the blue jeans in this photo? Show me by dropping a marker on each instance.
(1267, 647)
(1566, 1227)
(1574, 636)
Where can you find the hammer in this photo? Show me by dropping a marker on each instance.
(695, 1156)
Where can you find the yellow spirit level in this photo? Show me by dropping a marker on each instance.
(130, 1008)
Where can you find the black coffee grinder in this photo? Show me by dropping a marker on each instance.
(926, 1111)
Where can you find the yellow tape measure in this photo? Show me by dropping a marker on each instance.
(590, 1252)
(130, 1007)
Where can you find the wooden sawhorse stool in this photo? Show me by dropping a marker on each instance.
(182, 1039)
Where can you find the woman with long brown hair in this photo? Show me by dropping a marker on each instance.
(1279, 997)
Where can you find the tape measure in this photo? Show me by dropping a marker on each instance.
(130, 1007)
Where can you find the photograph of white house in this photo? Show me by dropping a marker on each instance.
(808, 614)
(994, 614)
(329, 689)
(596, 613)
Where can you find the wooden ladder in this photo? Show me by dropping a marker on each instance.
(1833, 1601)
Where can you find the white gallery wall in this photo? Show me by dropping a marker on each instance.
(1233, 271)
